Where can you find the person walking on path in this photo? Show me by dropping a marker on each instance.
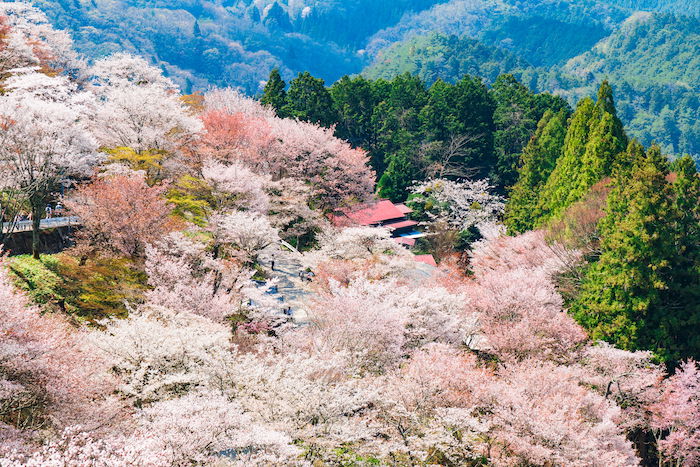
(272, 263)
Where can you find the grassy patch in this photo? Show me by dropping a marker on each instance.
(91, 291)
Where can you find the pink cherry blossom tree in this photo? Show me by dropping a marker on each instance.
(140, 109)
(677, 417)
(50, 377)
(243, 234)
(185, 276)
(234, 186)
(120, 214)
(44, 138)
(515, 297)
(239, 129)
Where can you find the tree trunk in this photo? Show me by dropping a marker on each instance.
(36, 230)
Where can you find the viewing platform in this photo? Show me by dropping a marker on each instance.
(52, 223)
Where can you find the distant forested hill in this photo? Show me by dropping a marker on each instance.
(565, 46)
(653, 61)
(438, 56)
(237, 42)
(231, 42)
(685, 7)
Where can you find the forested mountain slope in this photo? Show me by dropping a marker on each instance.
(237, 42)
(566, 46)
(231, 42)
(652, 61)
(684, 7)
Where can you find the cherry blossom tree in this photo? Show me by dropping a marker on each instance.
(460, 204)
(306, 151)
(515, 297)
(235, 186)
(186, 277)
(290, 211)
(242, 130)
(430, 407)
(45, 138)
(356, 243)
(232, 102)
(203, 427)
(243, 234)
(678, 414)
(630, 379)
(141, 113)
(49, 375)
(120, 214)
(31, 41)
(380, 322)
(542, 415)
(234, 137)
(159, 353)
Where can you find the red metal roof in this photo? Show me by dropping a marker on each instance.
(369, 214)
(427, 259)
(404, 209)
(400, 224)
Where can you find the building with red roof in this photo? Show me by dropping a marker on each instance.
(381, 213)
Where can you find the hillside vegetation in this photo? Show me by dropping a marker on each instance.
(217, 305)
(652, 61)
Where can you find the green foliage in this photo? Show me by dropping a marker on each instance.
(653, 64)
(94, 290)
(355, 100)
(639, 294)
(518, 110)
(437, 56)
(450, 129)
(396, 181)
(536, 165)
(309, 100)
(149, 161)
(100, 287)
(274, 94)
(651, 60)
(37, 277)
(192, 200)
(593, 144)
(557, 193)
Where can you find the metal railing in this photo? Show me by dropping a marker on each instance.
(52, 223)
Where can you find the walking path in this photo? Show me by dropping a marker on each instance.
(26, 226)
(289, 285)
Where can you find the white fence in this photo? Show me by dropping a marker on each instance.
(26, 226)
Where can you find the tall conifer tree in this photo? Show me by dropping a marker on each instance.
(683, 295)
(274, 94)
(622, 297)
(309, 100)
(564, 177)
(402, 171)
(594, 142)
(537, 162)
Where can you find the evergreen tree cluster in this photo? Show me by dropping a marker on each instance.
(639, 287)
(413, 131)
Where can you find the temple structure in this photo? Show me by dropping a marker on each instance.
(382, 213)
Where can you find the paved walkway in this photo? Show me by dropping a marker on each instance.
(26, 226)
(289, 286)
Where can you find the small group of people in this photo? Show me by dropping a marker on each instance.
(50, 212)
(307, 275)
(56, 211)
